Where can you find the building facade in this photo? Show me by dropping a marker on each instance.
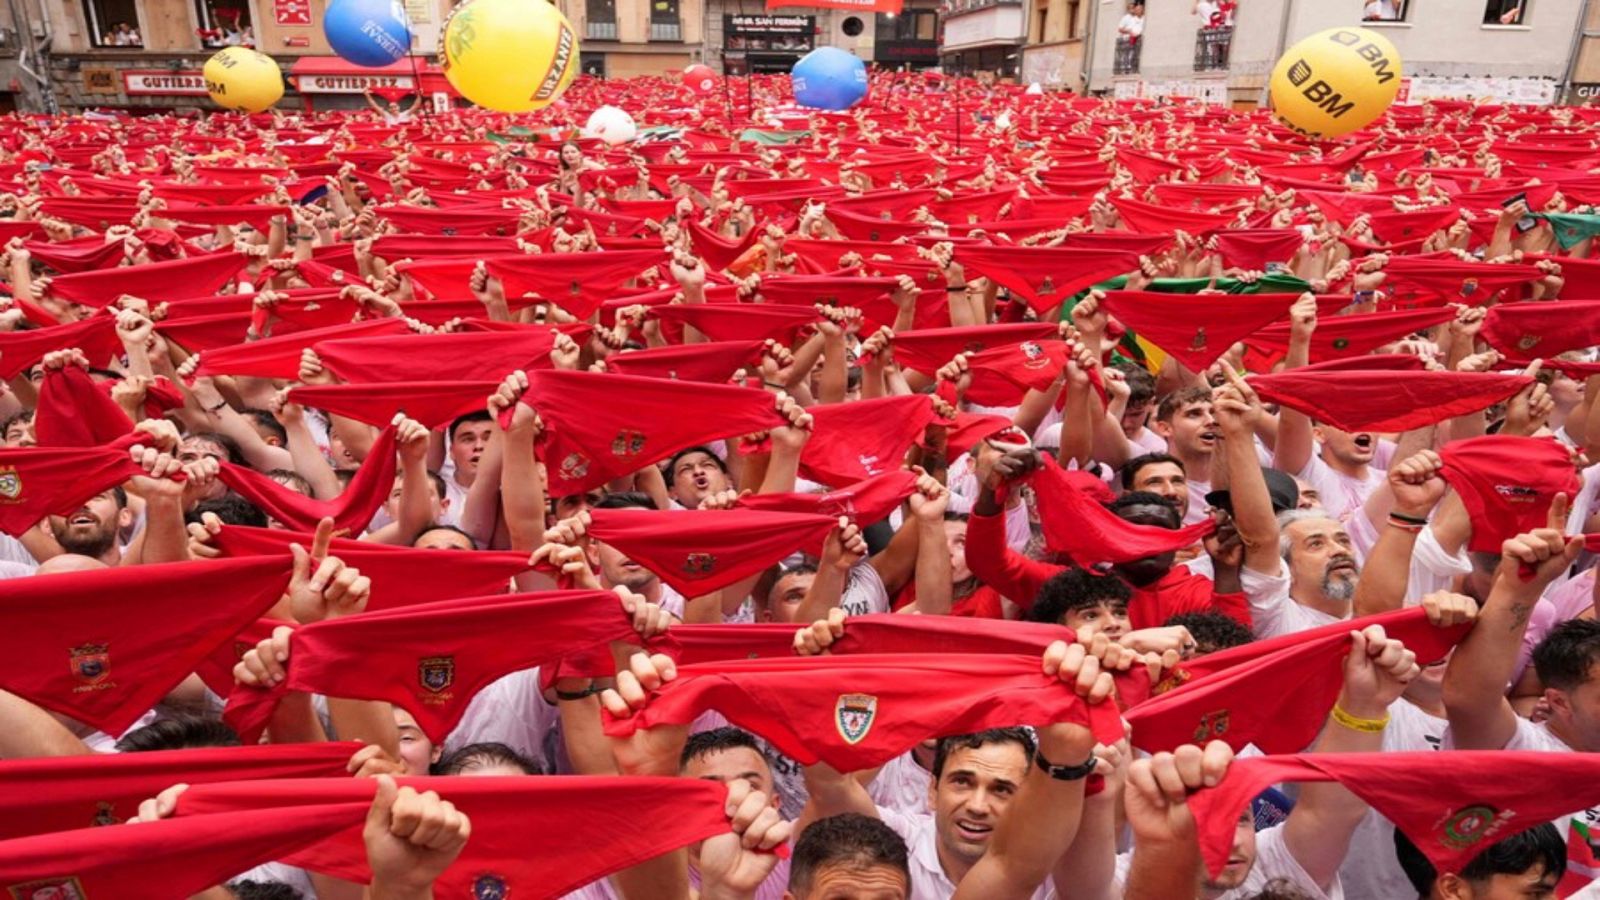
(1507, 50)
(147, 54)
(983, 37)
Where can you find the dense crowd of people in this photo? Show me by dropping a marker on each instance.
(975, 494)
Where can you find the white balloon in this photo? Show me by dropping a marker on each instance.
(1034, 88)
(1003, 121)
(611, 125)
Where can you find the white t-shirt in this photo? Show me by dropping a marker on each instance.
(1341, 495)
(864, 591)
(1273, 862)
(1197, 501)
(928, 881)
(902, 785)
(1272, 610)
(1371, 871)
(1432, 569)
(512, 711)
(457, 495)
(1131, 24)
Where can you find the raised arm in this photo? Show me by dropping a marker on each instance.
(1294, 445)
(1238, 409)
(1481, 718)
(1376, 671)
(1416, 487)
(1042, 819)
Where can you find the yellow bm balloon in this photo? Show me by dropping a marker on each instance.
(241, 79)
(509, 55)
(1335, 81)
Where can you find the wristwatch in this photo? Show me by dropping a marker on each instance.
(1064, 773)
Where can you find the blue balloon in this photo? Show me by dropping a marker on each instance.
(368, 32)
(829, 78)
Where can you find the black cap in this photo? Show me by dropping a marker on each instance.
(1281, 487)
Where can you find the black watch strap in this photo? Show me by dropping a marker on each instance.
(589, 691)
(1064, 773)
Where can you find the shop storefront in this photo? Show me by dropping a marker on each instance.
(766, 43)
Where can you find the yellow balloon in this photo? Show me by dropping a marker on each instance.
(1335, 81)
(509, 55)
(242, 79)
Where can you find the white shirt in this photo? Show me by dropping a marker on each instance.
(1272, 610)
(928, 881)
(864, 591)
(1371, 870)
(1432, 569)
(1273, 862)
(1341, 495)
(1131, 25)
(902, 785)
(512, 711)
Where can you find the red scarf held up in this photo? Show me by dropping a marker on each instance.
(167, 858)
(73, 412)
(711, 362)
(1521, 330)
(1342, 337)
(1275, 693)
(195, 276)
(96, 336)
(1507, 484)
(401, 576)
(857, 712)
(576, 282)
(599, 427)
(927, 350)
(484, 356)
(1196, 329)
(1254, 248)
(279, 356)
(103, 646)
(1452, 806)
(1091, 534)
(1415, 280)
(857, 440)
(62, 793)
(433, 403)
(700, 551)
(1378, 401)
(41, 481)
(865, 502)
(1045, 277)
(539, 837)
(433, 658)
(738, 322)
(351, 511)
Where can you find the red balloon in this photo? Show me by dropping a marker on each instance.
(700, 78)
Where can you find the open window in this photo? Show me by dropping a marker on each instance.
(224, 23)
(1385, 10)
(1505, 12)
(113, 23)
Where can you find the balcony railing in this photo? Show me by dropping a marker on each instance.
(1211, 48)
(666, 31)
(600, 31)
(1126, 60)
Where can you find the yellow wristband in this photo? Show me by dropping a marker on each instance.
(1368, 726)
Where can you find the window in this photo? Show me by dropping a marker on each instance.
(664, 21)
(1385, 10)
(601, 20)
(224, 23)
(1505, 12)
(1073, 7)
(113, 23)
